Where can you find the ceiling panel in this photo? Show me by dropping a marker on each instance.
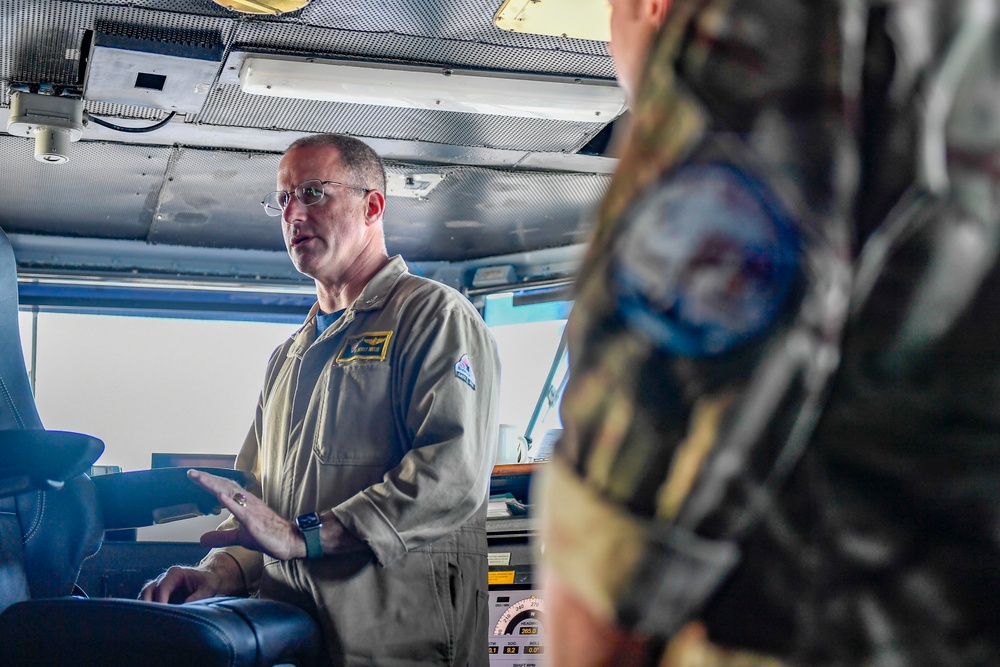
(106, 190)
(471, 20)
(211, 199)
(476, 212)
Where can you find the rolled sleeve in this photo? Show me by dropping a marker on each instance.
(647, 575)
(596, 564)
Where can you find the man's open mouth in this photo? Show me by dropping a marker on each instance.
(299, 239)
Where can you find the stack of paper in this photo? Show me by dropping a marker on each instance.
(497, 507)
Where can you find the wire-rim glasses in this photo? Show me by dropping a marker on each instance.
(308, 192)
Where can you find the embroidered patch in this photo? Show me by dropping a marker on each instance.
(463, 370)
(707, 262)
(371, 346)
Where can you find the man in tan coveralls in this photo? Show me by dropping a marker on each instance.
(379, 415)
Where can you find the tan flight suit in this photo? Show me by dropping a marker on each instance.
(389, 418)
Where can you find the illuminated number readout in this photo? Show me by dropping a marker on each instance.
(528, 609)
(518, 632)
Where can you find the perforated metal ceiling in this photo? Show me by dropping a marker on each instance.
(175, 193)
(105, 191)
(209, 198)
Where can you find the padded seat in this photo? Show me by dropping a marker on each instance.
(52, 517)
(237, 632)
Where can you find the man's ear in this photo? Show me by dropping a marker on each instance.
(658, 10)
(374, 206)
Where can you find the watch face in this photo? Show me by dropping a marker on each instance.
(307, 521)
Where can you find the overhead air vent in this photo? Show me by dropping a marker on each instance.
(173, 76)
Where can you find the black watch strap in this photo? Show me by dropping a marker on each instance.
(309, 525)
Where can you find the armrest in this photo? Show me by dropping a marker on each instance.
(146, 497)
(35, 459)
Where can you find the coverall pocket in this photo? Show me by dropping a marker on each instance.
(355, 416)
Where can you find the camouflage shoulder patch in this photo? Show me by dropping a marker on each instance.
(706, 260)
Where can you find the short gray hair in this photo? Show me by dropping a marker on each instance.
(358, 157)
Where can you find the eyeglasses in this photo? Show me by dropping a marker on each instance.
(309, 193)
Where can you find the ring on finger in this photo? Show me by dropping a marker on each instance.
(240, 498)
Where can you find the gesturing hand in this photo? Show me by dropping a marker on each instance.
(259, 527)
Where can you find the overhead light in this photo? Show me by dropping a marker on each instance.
(276, 7)
(547, 97)
(578, 19)
(53, 121)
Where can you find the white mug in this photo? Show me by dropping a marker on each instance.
(512, 448)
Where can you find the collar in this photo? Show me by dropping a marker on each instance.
(376, 292)
(372, 297)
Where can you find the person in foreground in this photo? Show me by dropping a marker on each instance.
(781, 437)
(373, 441)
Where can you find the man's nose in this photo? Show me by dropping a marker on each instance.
(294, 210)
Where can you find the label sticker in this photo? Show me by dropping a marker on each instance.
(500, 577)
(501, 559)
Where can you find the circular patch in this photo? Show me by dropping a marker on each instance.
(706, 262)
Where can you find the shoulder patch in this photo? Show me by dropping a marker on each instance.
(463, 371)
(707, 260)
(371, 346)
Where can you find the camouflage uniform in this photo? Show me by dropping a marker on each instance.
(783, 417)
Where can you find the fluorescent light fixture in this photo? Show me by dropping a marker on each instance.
(555, 98)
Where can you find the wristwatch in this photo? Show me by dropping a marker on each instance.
(309, 525)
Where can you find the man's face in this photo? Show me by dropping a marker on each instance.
(634, 24)
(326, 238)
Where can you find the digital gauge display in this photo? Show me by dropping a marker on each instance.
(517, 619)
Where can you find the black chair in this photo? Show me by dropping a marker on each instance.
(53, 516)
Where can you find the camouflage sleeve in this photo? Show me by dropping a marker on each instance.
(707, 316)
(703, 268)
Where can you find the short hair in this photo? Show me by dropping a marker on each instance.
(358, 157)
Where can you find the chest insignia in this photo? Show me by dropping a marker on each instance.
(371, 346)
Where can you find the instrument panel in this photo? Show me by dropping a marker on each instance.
(517, 638)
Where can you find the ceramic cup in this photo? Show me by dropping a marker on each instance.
(512, 448)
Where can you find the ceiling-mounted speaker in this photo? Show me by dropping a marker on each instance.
(161, 74)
